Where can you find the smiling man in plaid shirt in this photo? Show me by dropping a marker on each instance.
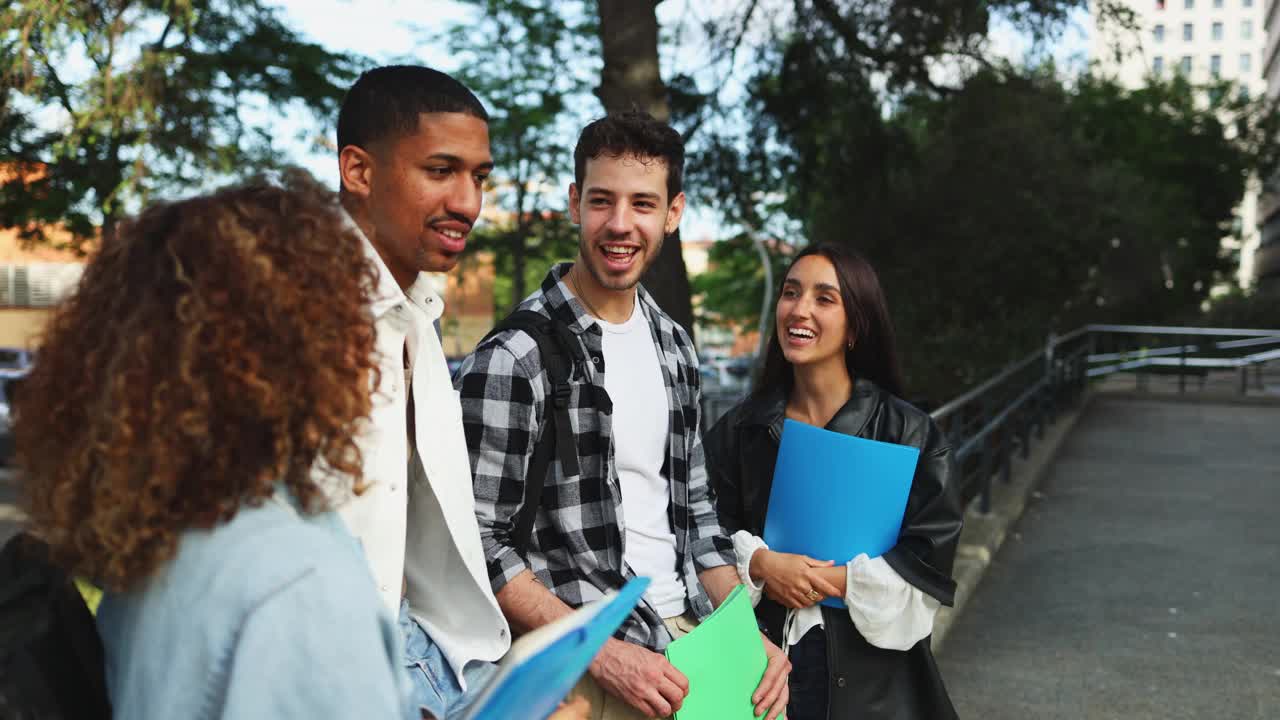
(640, 503)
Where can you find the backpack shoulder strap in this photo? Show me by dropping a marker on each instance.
(51, 658)
(562, 358)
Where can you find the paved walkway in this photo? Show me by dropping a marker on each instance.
(1144, 582)
(10, 516)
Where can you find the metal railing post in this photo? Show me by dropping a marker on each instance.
(984, 469)
(1182, 371)
(987, 463)
(1051, 375)
(1041, 405)
(1026, 416)
(1006, 455)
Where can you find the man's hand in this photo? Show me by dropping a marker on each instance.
(640, 677)
(793, 580)
(773, 693)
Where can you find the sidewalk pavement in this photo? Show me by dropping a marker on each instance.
(10, 516)
(1141, 582)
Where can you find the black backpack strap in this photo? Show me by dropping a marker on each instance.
(51, 658)
(561, 356)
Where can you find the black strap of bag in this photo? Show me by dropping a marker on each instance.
(51, 657)
(561, 356)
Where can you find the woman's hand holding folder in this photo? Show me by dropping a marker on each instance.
(795, 581)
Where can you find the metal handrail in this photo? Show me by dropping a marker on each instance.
(1170, 330)
(987, 423)
(1196, 359)
(1004, 413)
(954, 405)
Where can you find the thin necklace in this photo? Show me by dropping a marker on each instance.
(578, 291)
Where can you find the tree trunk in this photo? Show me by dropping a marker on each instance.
(668, 281)
(632, 77)
(519, 243)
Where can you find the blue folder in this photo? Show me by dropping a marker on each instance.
(544, 665)
(836, 496)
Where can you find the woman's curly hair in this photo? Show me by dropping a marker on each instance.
(217, 347)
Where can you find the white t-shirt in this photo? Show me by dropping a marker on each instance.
(641, 422)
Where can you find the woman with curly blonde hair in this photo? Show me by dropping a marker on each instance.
(216, 353)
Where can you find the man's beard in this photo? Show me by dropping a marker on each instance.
(616, 282)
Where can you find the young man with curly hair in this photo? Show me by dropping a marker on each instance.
(640, 503)
(211, 356)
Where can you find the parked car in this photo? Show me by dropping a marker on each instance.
(727, 374)
(739, 368)
(16, 358)
(453, 364)
(10, 380)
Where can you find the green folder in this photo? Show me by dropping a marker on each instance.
(724, 659)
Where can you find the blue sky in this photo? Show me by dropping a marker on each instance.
(383, 30)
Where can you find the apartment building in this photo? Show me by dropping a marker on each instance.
(1266, 261)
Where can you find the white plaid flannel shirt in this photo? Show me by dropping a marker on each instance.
(576, 546)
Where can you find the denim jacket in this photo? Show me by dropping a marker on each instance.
(271, 615)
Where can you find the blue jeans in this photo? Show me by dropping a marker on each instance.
(433, 685)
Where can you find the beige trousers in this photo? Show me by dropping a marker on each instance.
(607, 707)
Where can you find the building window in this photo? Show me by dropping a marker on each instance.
(1186, 31)
(1184, 65)
(36, 285)
(1189, 4)
(1246, 29)
(1216, 31)
(1247, 3)
(1157, 66)
(1158, 33)
(1246, 62)
(1215, 65)
(1217, 4)
(1159, 4)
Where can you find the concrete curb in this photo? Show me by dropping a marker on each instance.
(984, 534)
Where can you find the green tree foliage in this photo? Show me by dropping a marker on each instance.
(107, 103)
(1015, 205)
(1252, 309)
(531, 63)
(550, 239)
(1189, 152)
(997, 207)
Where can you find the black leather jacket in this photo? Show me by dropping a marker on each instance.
(865, 681)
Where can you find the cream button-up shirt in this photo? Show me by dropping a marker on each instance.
(416, 521)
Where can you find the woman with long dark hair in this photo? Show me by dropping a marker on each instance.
(832, 364)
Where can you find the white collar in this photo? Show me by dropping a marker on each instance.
(387, 294)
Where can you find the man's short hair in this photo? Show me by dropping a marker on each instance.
(385, 103)
(633, 132)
